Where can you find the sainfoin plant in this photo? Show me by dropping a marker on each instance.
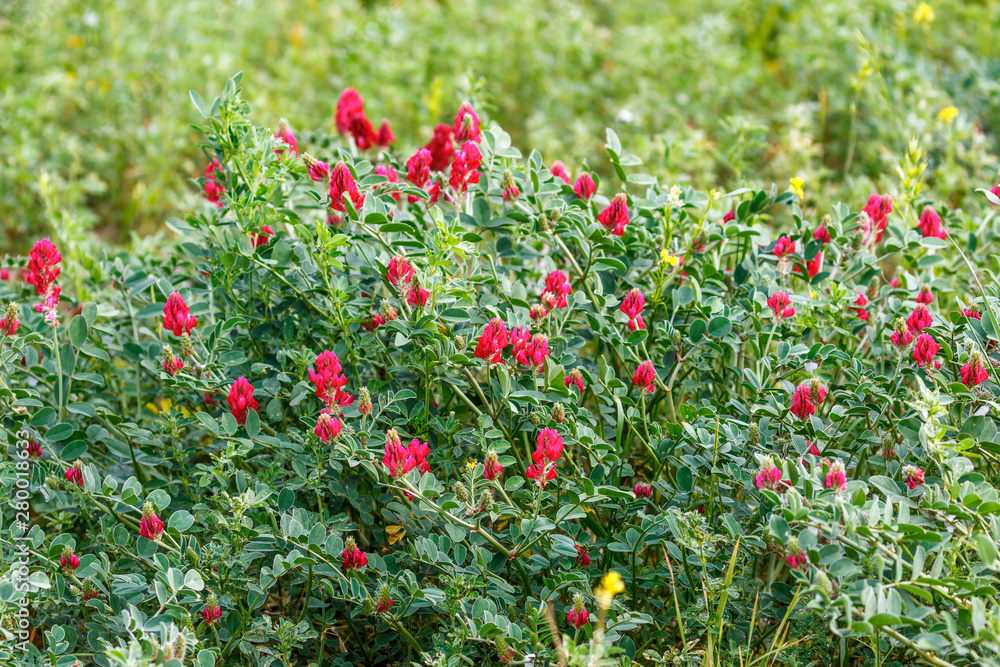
(383, 403)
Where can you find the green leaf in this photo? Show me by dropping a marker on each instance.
(252, 424)
(78, 331)
(182, 520)
(719, 327)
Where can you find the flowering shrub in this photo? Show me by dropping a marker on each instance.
(449, 405)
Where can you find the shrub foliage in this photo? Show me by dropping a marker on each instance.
(457, 406)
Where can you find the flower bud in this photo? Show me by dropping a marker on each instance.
(180, 647)
(368, 607)
(543, 223)
(387, 312)
(364, 401)
(485, 500)
(459, 342)
(558, 412)
(187, 347)
(822, 582)
(754, 434)
(677, 341)
(535, 418)
(461, 492)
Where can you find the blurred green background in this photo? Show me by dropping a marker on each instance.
(94, 108)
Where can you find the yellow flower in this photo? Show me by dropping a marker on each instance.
(798, 187)
(667, 258)
(613, 583)
(610, 586)
(470, 464)
(948, 114)
(924, 13)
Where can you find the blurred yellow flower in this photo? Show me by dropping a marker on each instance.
(798, 187)
(948, 114)
(610, 586)
(470, 464)
(924, 13)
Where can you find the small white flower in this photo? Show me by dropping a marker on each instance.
(626, 116)
(811, 366)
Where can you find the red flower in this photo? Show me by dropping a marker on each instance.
(349, 107)
(384, 136)
(41, 270)
(919, 319)
(836, 479)
(822, 234)
(150, 526)
(582, 556)
(538, 312)
(972, 314)
(645, 377)
(400, 460)
(441, 147)
(373, 322)
(417, 296)
(352, 558)
(399, 272)
(973, 373)
(341, 182)
(574, 379)
(558, 169)
(10, 321)
(813, 449)
(924, 351)
(925, 295)
(548, 450)
(615, 216)
(328, 377)
(781, 305)
(284, 132)
(769, 475)
(211, 613)
(802, 405)
(557, 284)
(859, 306)
(362, 132)
(632, 305)
(901, 337)
(418, 170)
(642, 490)
(214, 190)
(170, 363)
(318, 171)
(930, 224)
(385, 601)
(69, 561)
(578, 617)
(75, 474)
(493, 339)
(530, 351)
(4, 275)
(390, 173)
(877, 209)
(492, 467)
(34, 450)
(585, 186)
(729, 216)
(263, 237)
(177, 316)
(795, 557)
(241, 399)
(913, 476)
(328, 427)
(466, 126)
(465, 167)
(783, 246)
